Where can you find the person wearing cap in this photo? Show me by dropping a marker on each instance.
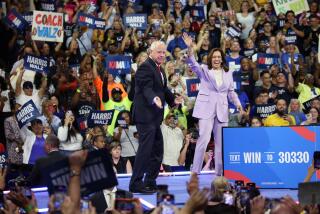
(307, 89)
(27, 92)
(34, 140)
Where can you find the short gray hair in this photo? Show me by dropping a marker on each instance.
(154, 45)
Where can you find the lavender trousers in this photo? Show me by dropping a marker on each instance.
(206, 126)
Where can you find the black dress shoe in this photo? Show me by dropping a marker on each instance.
(145, 190)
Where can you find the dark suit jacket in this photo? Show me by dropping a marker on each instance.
(36, 178)
(149, 84)
(99, 202)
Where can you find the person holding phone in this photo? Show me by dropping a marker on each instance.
(211, 107)
(281, 116)
(69, 135)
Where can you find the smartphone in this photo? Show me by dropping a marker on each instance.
(84, 204)
(316, 159)
(228, 198)
(251, 185)
(26, 191)
(162, 189)
(124, 204)
(167, 204)
(59, 195)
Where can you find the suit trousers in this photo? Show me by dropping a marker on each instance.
(206, 126)
(149, 155)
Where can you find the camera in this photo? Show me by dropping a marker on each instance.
(122, 123)
(124, 204)
(194, 134)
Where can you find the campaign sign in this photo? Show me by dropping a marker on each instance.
(47, 26)
(233, 32)
(264, 110)
(118, 64)
(297, 6)
(307, 104)
(36, 63)
(272, 157)
(197, 11)
(99, 118)
(3, 160)
(27, 113)
(91, 21)
(16, 20)
(138, 21)
(48, 5)
(266, 60)
(28, 16)
(96, 174)
(192, 87)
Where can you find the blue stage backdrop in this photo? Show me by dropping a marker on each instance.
(272, 157)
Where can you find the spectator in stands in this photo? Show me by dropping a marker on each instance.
(57, 108)
(27, 92)
(14, 141)
(306, 90)
(69, 135)
(313, 117)
(48, 118)
(281, 116)
(121, 165)
(246, 18)
(295, 109)
(34, 141)
(172, 142)
(256, 122)
(126, 133)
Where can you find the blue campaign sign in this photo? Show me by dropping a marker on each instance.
(99, 118)
(28, 16)
(192, 87)
(118, 64)
(138, 21)
(197, 11)
(266, 60)
(27, 113)
(16, 20)
(48, 5)
(36, 63)
(272, 157)
(91, 21)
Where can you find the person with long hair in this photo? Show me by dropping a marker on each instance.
(211, 107)
(69, 135)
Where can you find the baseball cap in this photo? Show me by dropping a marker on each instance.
(116, 90)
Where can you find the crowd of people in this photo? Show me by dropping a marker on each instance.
(234, 38)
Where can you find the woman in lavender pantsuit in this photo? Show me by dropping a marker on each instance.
(211, 106)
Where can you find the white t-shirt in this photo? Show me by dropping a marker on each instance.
(22, 98)
(172, 144)
(248, 22)
(127, 147)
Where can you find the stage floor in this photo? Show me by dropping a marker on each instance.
(177, 187)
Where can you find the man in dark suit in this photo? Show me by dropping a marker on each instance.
(52, 149)
(151, 92)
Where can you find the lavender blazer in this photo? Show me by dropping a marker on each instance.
(212, 100)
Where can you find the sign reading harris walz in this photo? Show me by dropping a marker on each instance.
(47, 26)
(138, 21)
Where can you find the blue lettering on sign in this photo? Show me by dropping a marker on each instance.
(47, 32)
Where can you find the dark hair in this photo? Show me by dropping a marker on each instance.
(264, 72)
(120, 115)
(3, 84)
(72, 132)
(281, 99)
(290, 11)
(223, 65)
(257, 118)
(263, 91)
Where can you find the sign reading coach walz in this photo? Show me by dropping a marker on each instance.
(96, 174)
